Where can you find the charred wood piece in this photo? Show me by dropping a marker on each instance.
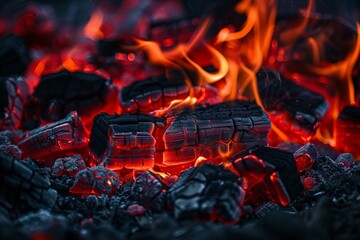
(141, 141)
(63, 92)
(269, 174)
(14, 56)
(347, 160)
(22, 188)
(69, 166)
(6, 147)
(207, 192)
(54, 140)
(214, 132)
(159, 92)
(124, 141)
(13, 97)
(150, 191)
(96, 180)
(294, 109)
(305, 157)
(43, 222)
(347, 131)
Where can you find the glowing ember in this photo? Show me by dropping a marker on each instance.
(347, 128)
(271, 169)
(151, 106)
(96, 180)
(187, 78)
(67, 135)
(142, 141)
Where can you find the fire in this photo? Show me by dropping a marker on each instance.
(189, 101)
(341, 73)
(161, 174)
(92, 29)
(231, 53)
(237, 56)
(200, 160)
(234, 55)
(207, 77)
(333, 80)
(289, 37)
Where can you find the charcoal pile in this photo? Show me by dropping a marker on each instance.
(95, 203)
(179, 120)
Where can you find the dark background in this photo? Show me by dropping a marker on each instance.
(78, 11)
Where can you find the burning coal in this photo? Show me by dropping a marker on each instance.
(174, 112)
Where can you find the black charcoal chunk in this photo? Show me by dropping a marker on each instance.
(270, 174)
(136, 141)
(207, 192)
(96, 180)
(22, 188)
(60, 93)
(68, 165)
(14, 91)
(124, 141)
(296, 110)
(150, 191)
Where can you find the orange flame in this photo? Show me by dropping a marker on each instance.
(231, 54)
(189, 101)
(178, 58)
(161, 174)
(341, 72)
(236, 55)
(222, 64)
(289, 37)
(247, 48)
(255, 36)
(200, 160)
(92, 29)
(239, 54)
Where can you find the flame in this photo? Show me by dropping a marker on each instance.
(200, 160)
(236, 55)
(109, 182)
(315, 50)
(338, 75)
(70, 65)
(189, 101)
(245, 64)
(222, 64)
(178, 58)
(92, 29)
(247, 48)
(171, 57)
(228, 152)
(161, 174)
(341, 73)
(290, 36)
